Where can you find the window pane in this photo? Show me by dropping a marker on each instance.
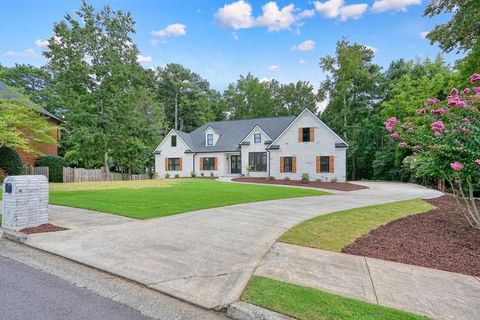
(257, 138)
(324, 164)
(287, 164)
(258, 161)
(305, 134)
(174, 141)
(174, 164)
(208, 163)
(210, 139)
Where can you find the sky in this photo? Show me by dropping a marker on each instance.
(221, 40)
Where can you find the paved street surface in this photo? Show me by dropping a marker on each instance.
(36, 285)
(205, 257)
(434, 293)
(27, 293)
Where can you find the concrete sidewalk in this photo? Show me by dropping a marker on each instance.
(205, 257)
(434, 293)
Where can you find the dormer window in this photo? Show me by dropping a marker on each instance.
(210, 139)
(173, 141)
(257, 137)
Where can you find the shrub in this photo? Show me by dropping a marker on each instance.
(211, 174)
(202, 174)
(193, 174)
(167, 175)
(286, 178)
(55, 166)
(10, 161)
(334, 180)
(177, 176)
(305, 177)
(271, 178)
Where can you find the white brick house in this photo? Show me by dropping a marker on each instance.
(279, 147)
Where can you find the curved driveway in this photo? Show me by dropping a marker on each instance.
(206, 257)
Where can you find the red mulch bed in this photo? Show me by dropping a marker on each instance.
(340, 186)
(47, 227)
(439, 239)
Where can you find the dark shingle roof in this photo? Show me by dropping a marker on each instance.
(232, 132)
(9, 93)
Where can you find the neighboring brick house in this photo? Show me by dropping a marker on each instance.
(278, 147)
(43, 148)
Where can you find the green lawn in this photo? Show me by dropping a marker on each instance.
(162, 198)
(336, 230)
(311, 304)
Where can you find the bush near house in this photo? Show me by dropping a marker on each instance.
(55, 166)
(10, 163)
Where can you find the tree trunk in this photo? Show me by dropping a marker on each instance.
(106, 169)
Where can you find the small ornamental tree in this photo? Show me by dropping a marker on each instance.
(444, 139)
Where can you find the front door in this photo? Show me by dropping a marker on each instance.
(235, 164)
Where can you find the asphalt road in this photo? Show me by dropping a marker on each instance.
(27, 293)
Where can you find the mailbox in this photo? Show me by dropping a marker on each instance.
(25, 202)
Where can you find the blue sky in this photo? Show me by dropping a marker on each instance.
(221, 40)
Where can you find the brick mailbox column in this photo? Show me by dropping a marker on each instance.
(25, 202)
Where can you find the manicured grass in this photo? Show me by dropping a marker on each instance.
(311, 304)
(180, 195)
(336, 230)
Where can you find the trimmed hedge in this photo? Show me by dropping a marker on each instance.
(55, 166)
(10, 161)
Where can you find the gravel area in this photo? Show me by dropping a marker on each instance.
(47, 227)
(340, 186)
(439, 239)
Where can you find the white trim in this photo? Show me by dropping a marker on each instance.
(257, 127)
(216, 131)
(294, 120)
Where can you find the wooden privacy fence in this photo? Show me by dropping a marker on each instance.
(31, 170)
(86, 175)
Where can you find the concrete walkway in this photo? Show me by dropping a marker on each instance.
(434, 293)
(205, 257)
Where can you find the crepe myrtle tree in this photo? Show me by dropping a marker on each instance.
(444, 139)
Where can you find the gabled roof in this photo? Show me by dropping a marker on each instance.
(232, 132)
(9, 93)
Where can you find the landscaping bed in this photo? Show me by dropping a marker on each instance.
(438, 239)
(47, 227)
(339, 186)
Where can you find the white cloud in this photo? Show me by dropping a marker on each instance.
(273, 68)
(235, 36)
(375, 50)
(264, 80)
(41, 43)
(301, 61)
(238, 15)
(25, 53)
(172, 30)
(306, 45)
(424, 34)
(354, 11)
(276, 19)
(393, 5)
(337, 8)
(144, 59)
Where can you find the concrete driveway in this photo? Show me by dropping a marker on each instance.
(205, 257)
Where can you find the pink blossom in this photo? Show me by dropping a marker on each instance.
(438, 111)
(395, 135)
(477, 89)
(438, 126)
(466, 120)
(437, 133)
(474, 78)
(457, 166)
(466, 90)
(402, 144)
(477, 161)
(464, 130)
(454, 92)
(456, 102)
(390, 123)
(432, 101)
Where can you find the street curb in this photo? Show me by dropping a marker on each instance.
(246, 311)
(13, 235)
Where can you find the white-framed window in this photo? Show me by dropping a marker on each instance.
(210, 139)
(257, 137)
